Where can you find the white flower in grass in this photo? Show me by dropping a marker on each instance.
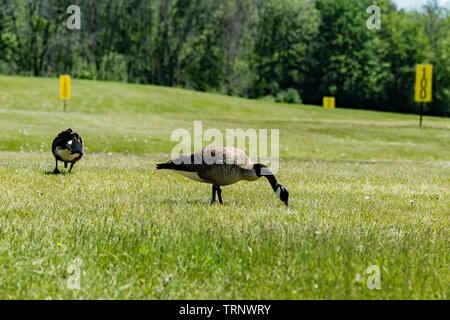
(367, 197)
(168, 277)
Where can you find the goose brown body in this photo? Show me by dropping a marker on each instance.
(222, 166)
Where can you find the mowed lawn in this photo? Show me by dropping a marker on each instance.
(367, 189)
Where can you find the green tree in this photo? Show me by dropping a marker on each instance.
(436, 22)
(282, 45)
(407, 47)
(348, 60)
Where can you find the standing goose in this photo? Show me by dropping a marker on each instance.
(68, 148)
(222, 166)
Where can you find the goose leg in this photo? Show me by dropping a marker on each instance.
(71, 166)
(65, 165)
(213, 199)
(56, 171)
(219, 194)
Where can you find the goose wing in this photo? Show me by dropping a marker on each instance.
(199, 161)
(217, 165)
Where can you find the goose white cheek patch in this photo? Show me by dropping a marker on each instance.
(278, 192)
(69, 142)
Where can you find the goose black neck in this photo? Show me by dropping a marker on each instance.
(263, 171)
(273, 182)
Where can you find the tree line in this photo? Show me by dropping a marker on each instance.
(279, 50)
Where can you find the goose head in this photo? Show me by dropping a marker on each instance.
(283, 193)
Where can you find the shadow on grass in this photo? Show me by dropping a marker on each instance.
(53, 173)
(203, 202)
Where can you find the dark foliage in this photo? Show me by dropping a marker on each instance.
(282, 50)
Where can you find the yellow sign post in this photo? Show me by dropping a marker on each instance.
(329, 102)
(64, 88)
(424, 81)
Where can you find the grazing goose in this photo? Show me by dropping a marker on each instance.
(222, 166)
(68, 148)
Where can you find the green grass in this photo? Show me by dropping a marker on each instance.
(367, 188)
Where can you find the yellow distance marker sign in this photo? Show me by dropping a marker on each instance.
(424, 78)
(329, 102)
(64, 87)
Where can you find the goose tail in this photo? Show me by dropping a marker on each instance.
(162, 166)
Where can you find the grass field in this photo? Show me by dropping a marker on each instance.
(367, 188)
